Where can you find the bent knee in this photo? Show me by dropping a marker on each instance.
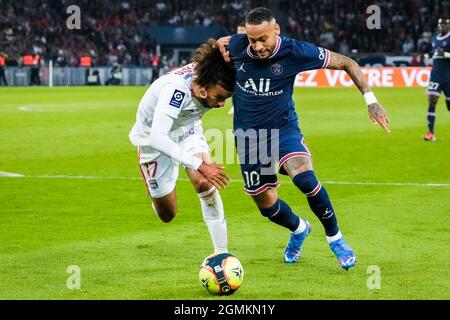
(202, 185)
(165, 212)
(298, 165)
(266, 199)
(166, 216)
(307, 182)
(432, 99)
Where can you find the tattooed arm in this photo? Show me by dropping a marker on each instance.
(376, 111)
(341, 62)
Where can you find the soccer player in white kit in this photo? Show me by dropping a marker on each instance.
(168, 131)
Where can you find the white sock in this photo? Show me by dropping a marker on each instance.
(301, 227)
(213, 214)
(337, 236)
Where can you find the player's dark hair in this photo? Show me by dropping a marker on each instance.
(211, 69)
(242, 24)
(259, 15)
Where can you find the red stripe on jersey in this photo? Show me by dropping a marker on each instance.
(145, 179)
(249, 52)
(262, 188)
(433, 93)
(275, 51)
(293, 155)
(277, 47)
(443, 37)
(327, 59)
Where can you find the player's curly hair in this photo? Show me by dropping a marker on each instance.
(211, 69)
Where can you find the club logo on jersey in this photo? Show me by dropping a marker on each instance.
(153, 184)
(321, 53)
(177, 98)
(277, 69)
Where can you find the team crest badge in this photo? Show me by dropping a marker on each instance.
(153, 184)
(277, 69)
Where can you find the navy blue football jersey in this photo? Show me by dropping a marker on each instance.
(441, 66)
(263, 91)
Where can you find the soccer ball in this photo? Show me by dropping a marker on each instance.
(221, 274)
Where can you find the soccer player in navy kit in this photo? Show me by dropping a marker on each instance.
(266, 66)
(440, 74)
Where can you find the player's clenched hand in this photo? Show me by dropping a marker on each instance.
(214, 174)
(378, 115)
(222, 43)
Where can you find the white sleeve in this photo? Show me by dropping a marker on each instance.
(159, 140)
(171, 99)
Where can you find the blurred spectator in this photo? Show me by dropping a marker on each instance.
(93, 78)
(116, 75)
(35, 68)
(165, 65)
(424, 43)
(408, 45)
(3, 81)
(343, 47)
(155, 67)
(183, 62)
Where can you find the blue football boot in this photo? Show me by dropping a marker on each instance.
(294, 248)
(343, 253)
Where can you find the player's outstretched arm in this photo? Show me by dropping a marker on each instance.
(376, 111)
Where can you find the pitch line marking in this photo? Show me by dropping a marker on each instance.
(402, 184)
(11, 174)
(25, 108)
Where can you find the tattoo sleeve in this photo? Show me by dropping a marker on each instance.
(341, 62)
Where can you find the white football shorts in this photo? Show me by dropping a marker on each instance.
(160, 172)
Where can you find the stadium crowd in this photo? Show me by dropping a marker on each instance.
(111, 31)
(340, 25)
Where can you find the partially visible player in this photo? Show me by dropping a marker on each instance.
(440, 74)
(168, 131)
(240, 30)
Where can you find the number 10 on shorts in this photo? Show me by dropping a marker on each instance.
(251, 179)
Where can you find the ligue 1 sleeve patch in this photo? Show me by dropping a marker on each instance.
(177, 98)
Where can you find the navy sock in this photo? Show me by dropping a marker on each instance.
(282, 214)
(431, 117)
(318, 200)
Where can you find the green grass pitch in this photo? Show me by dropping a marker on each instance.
(81, 201)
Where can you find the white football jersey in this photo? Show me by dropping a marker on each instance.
(171, 94)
